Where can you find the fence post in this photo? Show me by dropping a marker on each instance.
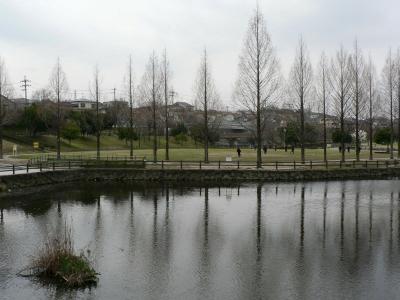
(181, 164)
(200, 164)
(13, 169)
(162, 164)
(219, 164)
(276, 165)
(27, 168)
(40, 167)
(311, 164)
(54, 166)
(238, 164)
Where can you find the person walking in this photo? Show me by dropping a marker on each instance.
(238, 151)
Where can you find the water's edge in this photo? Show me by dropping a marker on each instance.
(27, 183)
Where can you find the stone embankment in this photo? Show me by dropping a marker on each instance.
(21, 182)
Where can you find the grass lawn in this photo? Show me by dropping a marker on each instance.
(112, 146)
(196, 154)
(109, 142)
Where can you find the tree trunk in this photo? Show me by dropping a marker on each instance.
(205, 112)
(97, 120)
(325, 150)
(58, 127)
(303, 158)
(371, 157)
(357, 126)
(342, 132)
(391, 124)
(154, 116)
(258, 88)
(357, 137)
(166, 134)
(205, 133)
(130, 110)
(1, 122)
(398, 116)
(166, 108)
(371, 122)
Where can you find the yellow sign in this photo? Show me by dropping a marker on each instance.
(35, 145)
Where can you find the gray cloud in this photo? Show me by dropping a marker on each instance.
(85, 33)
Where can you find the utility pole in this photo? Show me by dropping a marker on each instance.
(114, 91)
(25, 84)
(172, 94)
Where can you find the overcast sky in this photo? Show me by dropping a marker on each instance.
(84, 33)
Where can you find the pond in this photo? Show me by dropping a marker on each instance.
(332, 240)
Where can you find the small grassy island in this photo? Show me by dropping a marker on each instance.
(57, 261)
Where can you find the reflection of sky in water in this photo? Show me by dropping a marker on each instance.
(289, 240)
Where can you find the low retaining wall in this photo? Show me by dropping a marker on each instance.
(18, 183)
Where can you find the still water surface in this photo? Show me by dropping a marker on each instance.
(336, 240)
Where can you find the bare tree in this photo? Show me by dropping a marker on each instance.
(357, 68)
(206, 97)
(301, 84)
(95, 90)
(150, 91)
(323, 93)
(398, 100)
(166, 73)
(131, 94)
(340, 84)
(259, 75)
(3, 91)
(372, 96)
(59, 87)
(43, 94)
(388, 88)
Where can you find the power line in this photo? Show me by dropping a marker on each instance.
(172, 94)
(24, 86)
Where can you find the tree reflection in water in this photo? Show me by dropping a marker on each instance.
(306, 240)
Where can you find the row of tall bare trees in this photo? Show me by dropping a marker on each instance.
(345, 86)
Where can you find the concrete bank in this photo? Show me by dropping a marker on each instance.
(19, 183)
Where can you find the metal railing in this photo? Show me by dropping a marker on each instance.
(122, 162)
(277, 165)
(82, 157)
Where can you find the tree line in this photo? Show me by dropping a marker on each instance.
(345, 85)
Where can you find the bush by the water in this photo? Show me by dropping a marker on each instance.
(58, 261)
